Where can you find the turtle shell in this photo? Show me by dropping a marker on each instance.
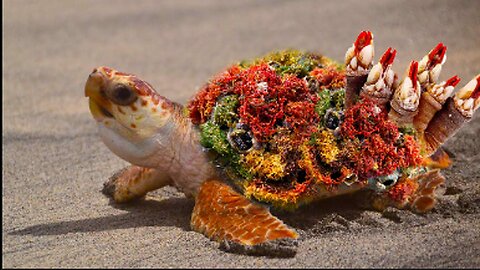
(277, 127)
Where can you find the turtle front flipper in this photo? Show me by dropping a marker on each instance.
(240, 225)
(134, 182)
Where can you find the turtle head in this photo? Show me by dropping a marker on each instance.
(134, 120)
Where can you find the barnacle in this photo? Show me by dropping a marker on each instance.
(332, 119)
(381, 183)
(293, 62)
(280, 128)
(240, 139)
(378, 153)
(213, 137)
(330, 100)
(311, 167)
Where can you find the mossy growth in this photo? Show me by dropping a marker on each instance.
(338, 98)
(324, 103)
(326, 145)
(290, 62)
(225, 114)
(329, 99)
(213, 137)
(268, 165)
(332, 63)
(407, 130)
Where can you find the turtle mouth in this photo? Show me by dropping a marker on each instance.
(100, 106)
(98, 111)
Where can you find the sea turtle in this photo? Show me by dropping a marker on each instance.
(282, 131)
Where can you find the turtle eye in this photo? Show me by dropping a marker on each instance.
(121, 95)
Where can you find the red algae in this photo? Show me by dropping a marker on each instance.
(329, 78)
(301, 120)
(381, 150)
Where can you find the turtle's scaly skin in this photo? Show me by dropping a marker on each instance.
(285, 129)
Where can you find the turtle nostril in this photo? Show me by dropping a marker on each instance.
(96, 76)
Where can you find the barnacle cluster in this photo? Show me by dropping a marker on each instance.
(277, 124)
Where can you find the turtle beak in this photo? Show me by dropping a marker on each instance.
(100, 106)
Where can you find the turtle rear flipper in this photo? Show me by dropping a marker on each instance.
(431, 185)
(240, 225)
(418, 194)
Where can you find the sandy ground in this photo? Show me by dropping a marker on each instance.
(54, 163)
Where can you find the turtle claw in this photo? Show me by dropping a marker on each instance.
(133, 182)
(279, 248)
(109, 188)
(116, 190)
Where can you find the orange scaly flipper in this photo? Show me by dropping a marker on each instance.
(431, 184)
(418, 194)
(240, 225)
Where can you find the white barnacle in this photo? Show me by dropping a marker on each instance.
(435, 73)
(365, 56)
(374, 73)
(467, 99)
(262, 86)
(349, 55)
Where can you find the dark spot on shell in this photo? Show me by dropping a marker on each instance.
(120, 110)
(134, 108)
(332, 120)
(144, 102)
(336, 175)
(133, 125)
(301, 176)
(241, 140)
(388, 182)
(274, 64)
(312, 83)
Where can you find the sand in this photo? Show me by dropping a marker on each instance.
(54, 163)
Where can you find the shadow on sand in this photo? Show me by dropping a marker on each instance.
(316, 217)
(141, 213)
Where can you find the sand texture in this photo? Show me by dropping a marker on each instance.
(54, 163)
